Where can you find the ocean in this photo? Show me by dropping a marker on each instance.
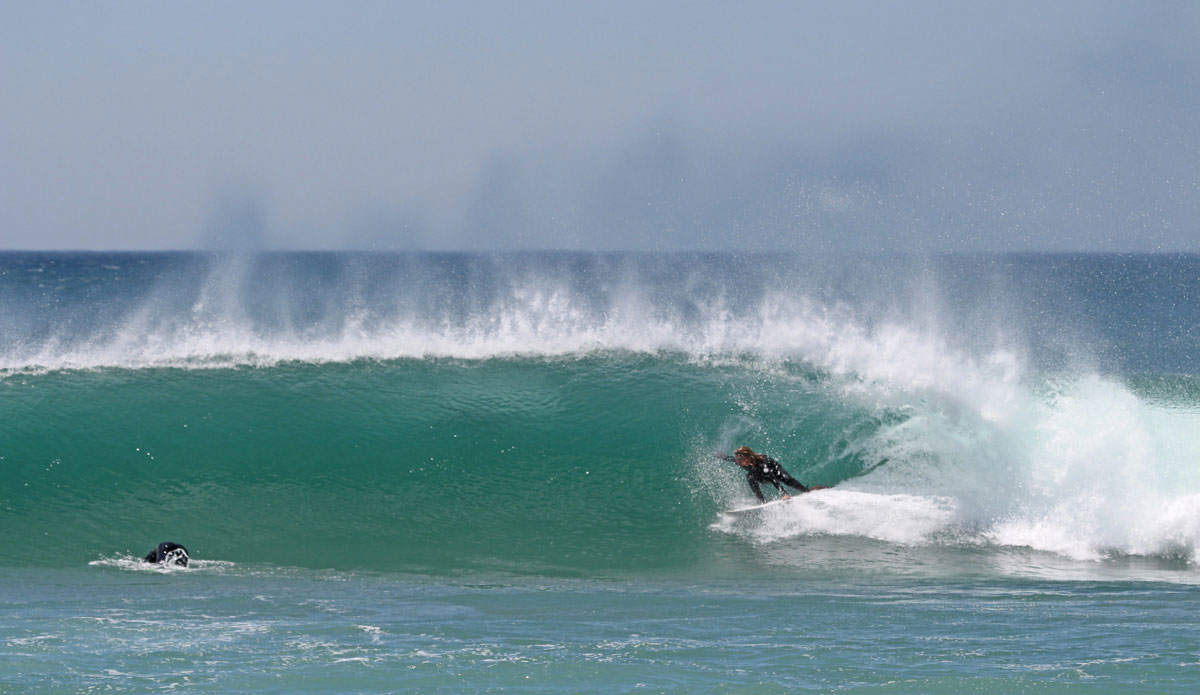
(465, 473)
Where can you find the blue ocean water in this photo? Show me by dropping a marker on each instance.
(473, 473)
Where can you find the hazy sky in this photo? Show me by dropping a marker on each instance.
(938, 126)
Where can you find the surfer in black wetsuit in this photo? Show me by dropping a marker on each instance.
(168, 553)
(761, 468)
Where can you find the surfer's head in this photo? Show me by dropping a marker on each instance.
(745, 456)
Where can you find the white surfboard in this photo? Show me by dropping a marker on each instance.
(757, 507)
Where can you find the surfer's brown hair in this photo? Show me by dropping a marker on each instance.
(745, 451)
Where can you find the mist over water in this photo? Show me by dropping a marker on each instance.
(98, 310)
(1038, 402)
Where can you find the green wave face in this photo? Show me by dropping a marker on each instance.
(419, 464)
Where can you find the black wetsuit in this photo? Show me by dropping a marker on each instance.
(767, 470)
(168, 553)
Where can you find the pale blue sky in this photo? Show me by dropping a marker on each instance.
(819, 126)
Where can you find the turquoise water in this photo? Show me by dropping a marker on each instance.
(457, 473)
(269, 629)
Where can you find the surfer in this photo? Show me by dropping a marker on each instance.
(761, 468)
(168, 553)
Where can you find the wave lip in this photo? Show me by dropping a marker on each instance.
(536, 322)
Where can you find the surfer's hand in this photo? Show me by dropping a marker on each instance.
(786, 496)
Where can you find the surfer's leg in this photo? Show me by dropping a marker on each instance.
(756, 489)
(789, 480)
